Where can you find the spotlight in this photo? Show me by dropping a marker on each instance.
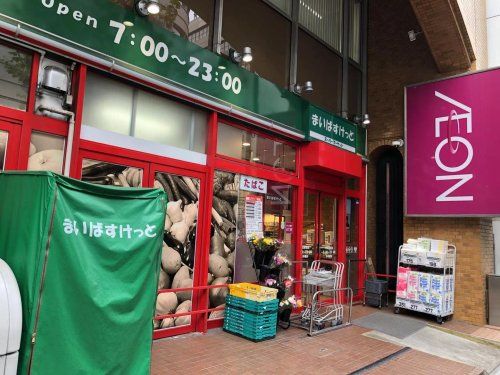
(307, 87)
(362, 121)
(237, 57)
(256, 158)
(366, 120)
(246, 144)
(147, 7)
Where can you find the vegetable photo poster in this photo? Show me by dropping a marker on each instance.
(223, 237)
(103, 173)
(4, 137)
(179, 247)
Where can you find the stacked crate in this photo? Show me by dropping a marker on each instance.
(251, 311)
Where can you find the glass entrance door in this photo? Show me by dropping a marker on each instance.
(319, 227)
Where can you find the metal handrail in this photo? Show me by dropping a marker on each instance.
(196, 312)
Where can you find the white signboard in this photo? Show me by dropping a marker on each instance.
(253, 216)
(256, 185)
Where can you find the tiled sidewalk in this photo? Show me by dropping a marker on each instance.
(291, 352)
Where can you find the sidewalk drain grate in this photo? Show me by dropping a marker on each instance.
(381, 361)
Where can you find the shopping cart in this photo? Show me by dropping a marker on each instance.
(323, 298)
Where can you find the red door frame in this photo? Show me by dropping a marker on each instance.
(13, 131)
(319, 205)
(199, 270)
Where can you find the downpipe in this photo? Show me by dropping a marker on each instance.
(71, 133)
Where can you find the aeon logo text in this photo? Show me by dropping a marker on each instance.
(442, 128)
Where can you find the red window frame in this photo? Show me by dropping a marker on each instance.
(250, 166)
(13, 131)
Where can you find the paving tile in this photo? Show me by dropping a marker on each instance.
(292, 351)
(416, 362)
(487, 333)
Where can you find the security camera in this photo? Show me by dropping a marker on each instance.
(398, 143)
(412, 35)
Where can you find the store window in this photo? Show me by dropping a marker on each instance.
(322, 66)
(245, 208)
(324, 19)
(46, 153)
(104, 173)
(4, 139)
(189, 19)
(355, 91)
(179, 248)
(15, 69)
(244, 145)
(252, 23)
(284, 5)
(355, 30)
(115, 106)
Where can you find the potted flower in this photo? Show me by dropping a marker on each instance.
(285, 308)
(282, 286)
(274, 268)
(264, 249)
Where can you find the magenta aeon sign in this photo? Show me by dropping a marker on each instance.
(453, 146)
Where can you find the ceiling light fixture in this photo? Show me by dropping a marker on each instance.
(147, 7)
(307, 87)
(237, 57)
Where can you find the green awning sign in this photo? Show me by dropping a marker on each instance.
(331, 129)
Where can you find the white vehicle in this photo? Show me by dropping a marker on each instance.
(10, 320)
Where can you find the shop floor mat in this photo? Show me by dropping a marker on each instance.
(391, 324)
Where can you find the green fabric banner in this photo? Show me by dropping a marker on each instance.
(87, 259)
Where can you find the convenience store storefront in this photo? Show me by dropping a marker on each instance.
(98, 93)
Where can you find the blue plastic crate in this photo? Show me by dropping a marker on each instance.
(248, 319)
(260, 335)
(253, 306)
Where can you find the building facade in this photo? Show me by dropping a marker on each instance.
(100, 92)
(447, 38)
(239, 142)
